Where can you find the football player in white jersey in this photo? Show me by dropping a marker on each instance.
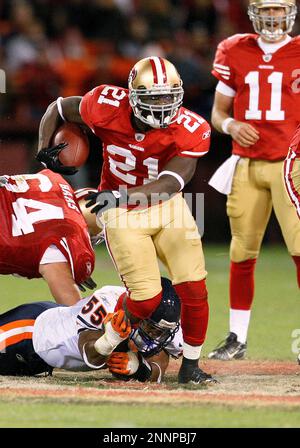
(41, 336)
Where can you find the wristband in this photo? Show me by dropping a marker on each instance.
(106, 344)
(86, 361)
(176, 175)
(225, 124)
(160, 372)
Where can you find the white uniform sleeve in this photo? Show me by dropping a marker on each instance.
(53, 255)
(175, 347)
(225, 89)
(96, 307)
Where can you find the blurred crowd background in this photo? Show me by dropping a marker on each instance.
(51, 48)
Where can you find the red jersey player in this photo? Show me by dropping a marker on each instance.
(44, 233)
(292, 171)
(259, 80)
(150, 146)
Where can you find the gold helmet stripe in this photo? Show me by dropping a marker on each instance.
(272, 3)
(159, 70)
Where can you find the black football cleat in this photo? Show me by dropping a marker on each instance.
(192, 374)
(231, 349)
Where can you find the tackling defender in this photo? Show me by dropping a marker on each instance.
(258, 80)
(37, 337)
(44, 234)
(151, 145)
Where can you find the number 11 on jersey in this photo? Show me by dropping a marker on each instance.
(274, 113)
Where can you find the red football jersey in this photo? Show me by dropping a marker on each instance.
(134, 158)
(39, 210)
(267, 91)
(295, 143)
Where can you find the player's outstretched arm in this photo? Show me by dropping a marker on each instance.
(243, 133)
(96, 346)
(52, 119)
(86, 345)
(61, 283)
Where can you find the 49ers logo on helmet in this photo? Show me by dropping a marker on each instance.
(132, 75)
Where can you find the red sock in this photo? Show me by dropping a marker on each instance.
(194, 311)
(242, 284)
(297, 263)
(139, 309)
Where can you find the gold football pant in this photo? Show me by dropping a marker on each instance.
(292, 179)
(257, 187)
(136, 239)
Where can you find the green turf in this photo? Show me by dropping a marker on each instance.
(276, 306)
(50, 415)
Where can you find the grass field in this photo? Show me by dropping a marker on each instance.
(250, 393)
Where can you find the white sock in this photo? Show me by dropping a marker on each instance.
(191, 352)
(239, 323)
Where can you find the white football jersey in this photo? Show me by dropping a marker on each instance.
(56, 331)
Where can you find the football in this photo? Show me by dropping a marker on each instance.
(77, 151)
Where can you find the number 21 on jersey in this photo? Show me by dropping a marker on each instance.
(275, 113)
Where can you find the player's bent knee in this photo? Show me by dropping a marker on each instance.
(140, 291)
(192, 292)
(242, 250)
(190, 268)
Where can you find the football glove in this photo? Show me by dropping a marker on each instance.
(49, 158)
(120, 323)
(88, 283)
(117, 329)
(3, 181)
(104, 200)
(126, 366)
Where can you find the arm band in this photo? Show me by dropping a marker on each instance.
(87, 362)
(59, 107)
(177, 176)
(225, 124)
(160, 372)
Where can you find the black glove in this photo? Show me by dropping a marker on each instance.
(88, 283)
(3, 181)
(106, 199)
(49, 158)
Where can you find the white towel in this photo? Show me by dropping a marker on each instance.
(222, 178)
